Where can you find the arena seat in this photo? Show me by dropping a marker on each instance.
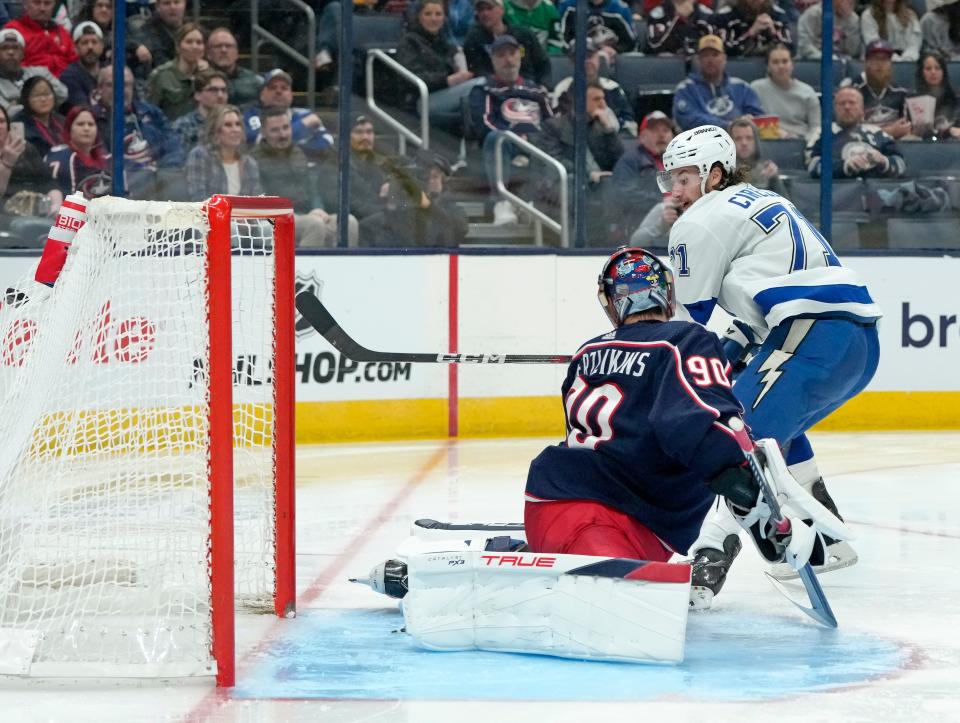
(648, 74)
(377, 30)
(845, 234)
(808, 71)
(953, 70)
(923, 233)
(561, 66)
(787, 153)
(953, 189)
(9, 240)
(805, 195)
(930, 158)
(746, 69)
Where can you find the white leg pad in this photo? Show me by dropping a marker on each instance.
(532, 603)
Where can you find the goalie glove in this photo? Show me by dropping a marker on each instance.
(737, 342)
(795, 538)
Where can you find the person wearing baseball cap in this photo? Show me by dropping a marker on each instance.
(884, 103)
(709, 96)
(12, 35)
(309, 133)
(654, 118)
(505, 101)
(635, 173)
(710, 42)
(488, 26)
(277, 74)
(503, 41)
(80, 76)
(879, 46)
(14, 72)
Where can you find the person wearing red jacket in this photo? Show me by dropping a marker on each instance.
(47, 43)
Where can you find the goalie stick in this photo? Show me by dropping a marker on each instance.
(322, 320)
(819, 608)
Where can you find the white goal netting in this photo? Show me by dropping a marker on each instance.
(104, 475)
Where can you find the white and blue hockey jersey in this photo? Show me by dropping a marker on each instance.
(756, 256)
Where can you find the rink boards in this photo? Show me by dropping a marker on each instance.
(544, 303)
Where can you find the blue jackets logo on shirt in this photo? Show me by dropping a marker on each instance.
(520, 110)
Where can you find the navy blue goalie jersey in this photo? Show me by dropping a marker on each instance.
(647, 407)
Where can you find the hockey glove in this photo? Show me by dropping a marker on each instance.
(737, 342)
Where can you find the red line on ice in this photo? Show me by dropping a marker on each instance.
(221, 696)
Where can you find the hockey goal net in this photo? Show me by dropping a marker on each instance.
(146, 462)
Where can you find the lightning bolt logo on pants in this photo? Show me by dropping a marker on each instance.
(799, 328)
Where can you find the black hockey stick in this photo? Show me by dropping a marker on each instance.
(322, 320)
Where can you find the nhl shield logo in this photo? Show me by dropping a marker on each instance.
(306, 282)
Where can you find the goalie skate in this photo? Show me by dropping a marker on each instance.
(709, 572)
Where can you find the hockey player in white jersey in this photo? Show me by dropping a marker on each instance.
(809, 321)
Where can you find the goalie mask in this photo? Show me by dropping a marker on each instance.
(634, 280)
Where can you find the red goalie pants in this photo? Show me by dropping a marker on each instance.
(582, 527)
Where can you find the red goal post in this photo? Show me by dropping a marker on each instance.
(147, 470)
(222, 212)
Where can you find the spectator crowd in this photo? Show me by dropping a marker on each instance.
(194, 111)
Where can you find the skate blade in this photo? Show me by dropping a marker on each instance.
(845, 556)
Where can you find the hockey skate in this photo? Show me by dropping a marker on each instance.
(837, 555)
(709, 572)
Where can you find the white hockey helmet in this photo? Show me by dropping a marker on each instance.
(700, 147)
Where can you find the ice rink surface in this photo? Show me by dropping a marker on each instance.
(895, 656)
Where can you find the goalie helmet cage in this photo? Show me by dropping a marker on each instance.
(147, 470)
